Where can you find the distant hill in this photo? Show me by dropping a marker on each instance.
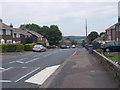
(76, 38)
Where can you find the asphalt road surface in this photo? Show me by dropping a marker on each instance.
(31, 70)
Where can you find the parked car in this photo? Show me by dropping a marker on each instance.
(111, 46)
(73, 46)
(63, 46)
(39, 48)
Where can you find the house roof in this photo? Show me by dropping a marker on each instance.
(4, 26)
(18, 30)
(35, 33)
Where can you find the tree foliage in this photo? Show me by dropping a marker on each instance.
(52, 33)
(93, 35)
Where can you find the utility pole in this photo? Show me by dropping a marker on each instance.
(86, 28)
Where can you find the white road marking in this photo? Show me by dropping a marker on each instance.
(42, 76)
(27, 74)
(74, 53)
(1, 68)
(1, 81)
(6, 69)
(48, 55)
(32, 60)
(19, 60)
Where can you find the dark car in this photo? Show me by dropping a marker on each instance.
(111, 46)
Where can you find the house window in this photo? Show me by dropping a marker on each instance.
(1, 32)
(9, 41)
(17, 35)
(8, 32)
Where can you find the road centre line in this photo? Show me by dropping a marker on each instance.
(42, 76)
(18, 60)
(27, 74)
(2, 81)
(32, 60)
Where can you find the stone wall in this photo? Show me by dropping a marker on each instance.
(112, 67)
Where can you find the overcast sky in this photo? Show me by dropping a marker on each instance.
(69, 15)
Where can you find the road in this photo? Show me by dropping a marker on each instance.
(31, 70)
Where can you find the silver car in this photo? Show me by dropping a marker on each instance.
(39, 48)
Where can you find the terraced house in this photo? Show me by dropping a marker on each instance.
(9, 34)
(6, 33)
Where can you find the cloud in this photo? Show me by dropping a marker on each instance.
(64, 14)
(59, 0)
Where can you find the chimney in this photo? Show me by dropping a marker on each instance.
(11, 25)
(1, 20)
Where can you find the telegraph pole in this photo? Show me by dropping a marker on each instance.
(86, 28)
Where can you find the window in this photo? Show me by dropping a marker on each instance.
(8, 32)
(9, 41)
(17, 35)
(1, 32)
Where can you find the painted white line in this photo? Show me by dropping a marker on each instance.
(48, 55)
(74, 53)
(20, 62)
(7, 69)
(22, 59)
(12, 62)
(42, 76)
(1, 68)
(32, 60)
(27, 74)
(1, 81)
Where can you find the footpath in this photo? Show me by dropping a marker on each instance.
(82, 70)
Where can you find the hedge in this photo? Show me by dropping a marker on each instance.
(11, 47)
(28, 47)
(42, 43)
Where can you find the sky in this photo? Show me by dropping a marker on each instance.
(68, 15)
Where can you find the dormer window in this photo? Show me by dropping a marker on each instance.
(1, 32)
(8, 32)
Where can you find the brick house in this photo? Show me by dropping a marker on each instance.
(36, 36)
(6, 33)
(113, 33)
(66, 42)
(20, 35)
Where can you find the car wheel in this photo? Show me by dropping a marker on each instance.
(107, 50)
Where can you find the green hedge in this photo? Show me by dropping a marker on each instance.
(28, 47)
(11, 47)
(42, 43)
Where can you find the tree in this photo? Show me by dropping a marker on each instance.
(102, 33)
(28, 40)
(54, 35)
(33, 27)
(93, 35)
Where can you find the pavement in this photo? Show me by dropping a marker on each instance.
(82, 70)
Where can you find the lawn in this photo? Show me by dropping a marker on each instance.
(113, 56)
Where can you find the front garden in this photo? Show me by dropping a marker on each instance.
(115, 56)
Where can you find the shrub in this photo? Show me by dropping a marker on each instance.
(11, 47)
(42, 43)
(28, 47)
(100, 51)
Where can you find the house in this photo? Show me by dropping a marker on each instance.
(19, 35)
(100, 39)
(36, 37)
(6, 33)
(66, 42)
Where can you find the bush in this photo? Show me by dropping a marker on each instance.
(11, 47)
(100, 51)
(28, 47)
(42, 43)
